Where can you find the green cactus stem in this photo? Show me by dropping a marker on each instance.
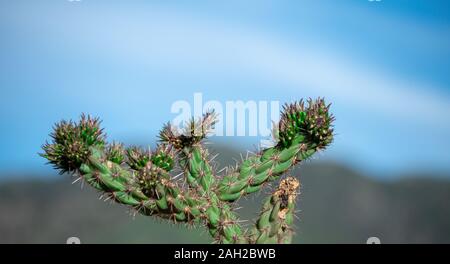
(302, 132)
(145, 181)
(274, 224)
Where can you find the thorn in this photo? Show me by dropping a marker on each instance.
(221, 170)
(77, 179)
(213, 157)
(108, 197)
(178, 175)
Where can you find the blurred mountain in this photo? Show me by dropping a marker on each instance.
(337, 205)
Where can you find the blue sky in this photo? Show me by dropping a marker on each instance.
(384, 65)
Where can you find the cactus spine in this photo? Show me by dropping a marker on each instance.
(144, 181)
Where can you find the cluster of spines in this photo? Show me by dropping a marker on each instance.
(142, 179)
(192, 133)
(71, 143)
(312, 121)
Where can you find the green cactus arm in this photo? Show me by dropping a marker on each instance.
(145, 185)
(142, 180)
(151, 192)
(111, 178)
(274, 224)
(198, 172)
(260, 169)
(81, 149)
(302, 132)
(222, 222)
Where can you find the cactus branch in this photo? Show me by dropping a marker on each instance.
(302, 132)
(143, 180)
(274, 224)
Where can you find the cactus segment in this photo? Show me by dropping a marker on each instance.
(274, 224)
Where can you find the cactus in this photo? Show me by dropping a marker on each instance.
(145, 181)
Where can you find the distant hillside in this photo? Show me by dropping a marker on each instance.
(337, 206)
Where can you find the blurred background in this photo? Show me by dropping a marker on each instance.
(384, 65)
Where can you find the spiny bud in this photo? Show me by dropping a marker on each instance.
(90, 131)
(114, 153)
(291, 122)
(312, 121)
(149, 176)
(163, 157)
(319, 123)
(71, 141)
(136, 158)
(194, 131)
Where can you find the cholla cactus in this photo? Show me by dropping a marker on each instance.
(145, 181)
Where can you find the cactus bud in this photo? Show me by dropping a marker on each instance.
(71, 142)
(89, 131)
(114, 153)
(313, 121)
(148, 178)
(194, 131)
(163, 157)
(137, 159)
(291, 122)
(319, 123)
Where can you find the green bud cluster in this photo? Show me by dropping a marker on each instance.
(318, 123)
(143, 180)
(194, 132)
(115, 153)
(71, 143)
(137, 159)
(163, 157)
(313, 121)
